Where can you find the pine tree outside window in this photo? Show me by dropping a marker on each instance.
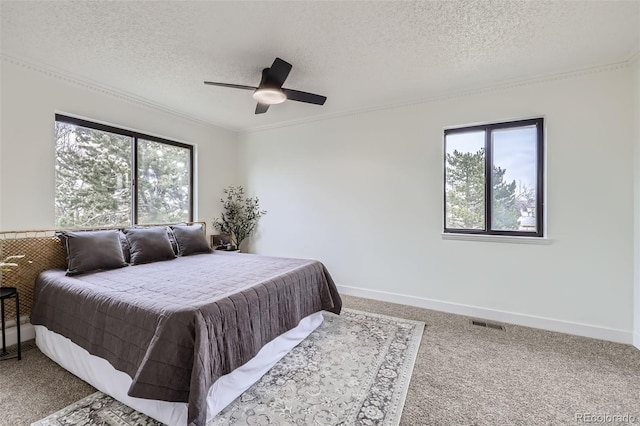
(106, 176)
(493, 183)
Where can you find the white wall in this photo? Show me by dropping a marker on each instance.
(636, 257)
(30, 99)
(362, 193)
(1, 126)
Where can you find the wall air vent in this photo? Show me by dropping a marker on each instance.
(487, 325)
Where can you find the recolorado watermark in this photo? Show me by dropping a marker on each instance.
(605, 418)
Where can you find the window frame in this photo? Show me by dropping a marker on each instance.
(135, 135)
(488, 168)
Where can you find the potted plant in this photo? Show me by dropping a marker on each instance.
(240, 215)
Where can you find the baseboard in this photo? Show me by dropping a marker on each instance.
(602, 333)
(27, 332)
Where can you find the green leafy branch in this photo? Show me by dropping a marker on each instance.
(240, 215)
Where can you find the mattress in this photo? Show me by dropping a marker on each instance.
(101, 375)
(175, 327)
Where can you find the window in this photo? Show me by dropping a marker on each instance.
(493, 179)
(107, 176)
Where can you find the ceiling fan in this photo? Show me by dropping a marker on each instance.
(270, 90)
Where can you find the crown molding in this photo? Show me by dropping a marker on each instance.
(530, 81)
(84, 83)
(94, 86)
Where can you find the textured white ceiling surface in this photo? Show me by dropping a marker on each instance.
(358, 54)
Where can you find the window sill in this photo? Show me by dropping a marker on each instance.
(496, 238)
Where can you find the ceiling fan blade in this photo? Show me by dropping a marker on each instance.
(233, 86)
(310, 98)
(270, 89)
(278, 72)
(261, 108)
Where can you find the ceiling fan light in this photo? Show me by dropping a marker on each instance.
(269, 96)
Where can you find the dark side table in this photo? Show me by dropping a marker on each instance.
(10, 293)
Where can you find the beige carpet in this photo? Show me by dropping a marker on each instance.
(464, 375)
(355, 368)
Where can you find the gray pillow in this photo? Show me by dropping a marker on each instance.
(190, 240)
(172, 237)
(92, 250)
(149, 245)
(123, 242)
(126, 249)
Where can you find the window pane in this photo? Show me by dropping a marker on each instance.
(93, 177)
(514, 179)
(465, 182)
(164, 174)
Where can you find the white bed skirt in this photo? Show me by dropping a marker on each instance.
(101, 375)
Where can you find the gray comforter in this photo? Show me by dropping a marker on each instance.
(177, 326)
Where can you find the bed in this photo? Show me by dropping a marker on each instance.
(179, 339)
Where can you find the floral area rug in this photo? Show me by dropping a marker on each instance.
(352, 370)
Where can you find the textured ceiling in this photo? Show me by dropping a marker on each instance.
(358, 54)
